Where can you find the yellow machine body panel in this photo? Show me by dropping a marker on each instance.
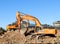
(47, 31)
(50, 31)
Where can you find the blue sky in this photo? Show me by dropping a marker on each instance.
(47, 11)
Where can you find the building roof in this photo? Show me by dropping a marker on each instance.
(57, 22)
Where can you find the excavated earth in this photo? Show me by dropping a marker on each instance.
(15, 37)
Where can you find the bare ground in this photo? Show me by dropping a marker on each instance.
(15, 37)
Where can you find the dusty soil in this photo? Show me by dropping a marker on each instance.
(15, 37)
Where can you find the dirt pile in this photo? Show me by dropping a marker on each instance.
(15, 37)
(12, 37)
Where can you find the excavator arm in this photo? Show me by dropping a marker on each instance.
(17, 23)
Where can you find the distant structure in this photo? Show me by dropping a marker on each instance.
(56, 24)
(47, 26)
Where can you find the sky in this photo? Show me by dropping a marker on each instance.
(47, 11)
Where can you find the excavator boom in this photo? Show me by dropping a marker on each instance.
(28, 17)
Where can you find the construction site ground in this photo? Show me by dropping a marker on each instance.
(15, 37)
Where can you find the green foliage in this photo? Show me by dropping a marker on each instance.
(2, 29)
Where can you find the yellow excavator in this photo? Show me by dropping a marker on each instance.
(38, 26)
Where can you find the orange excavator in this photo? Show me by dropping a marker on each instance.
(38, 26)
